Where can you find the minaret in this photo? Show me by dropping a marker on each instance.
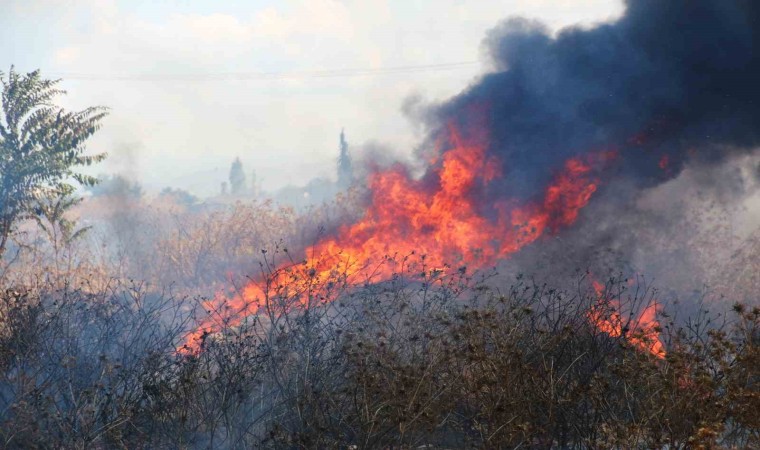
(345, 170)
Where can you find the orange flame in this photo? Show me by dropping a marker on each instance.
(438, 217)
(643, 332)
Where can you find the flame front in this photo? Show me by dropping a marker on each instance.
(440, 217)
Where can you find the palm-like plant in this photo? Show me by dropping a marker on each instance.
(41, 146)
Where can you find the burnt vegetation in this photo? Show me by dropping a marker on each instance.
(432, 358)
(100, 344)
(510, 320)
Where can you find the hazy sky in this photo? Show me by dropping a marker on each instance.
(184, 78)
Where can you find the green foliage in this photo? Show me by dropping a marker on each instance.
(50, 215)
(41, 145)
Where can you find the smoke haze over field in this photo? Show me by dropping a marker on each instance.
(664, 92)
(535, 232)
(583, 124)
(285, 126)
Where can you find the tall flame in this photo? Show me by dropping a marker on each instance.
(438, 216)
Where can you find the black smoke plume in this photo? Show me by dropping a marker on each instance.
(672, 87)
(670, 81)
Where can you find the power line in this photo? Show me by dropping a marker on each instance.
(232, 76)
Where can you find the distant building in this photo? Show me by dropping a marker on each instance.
(237, 178)
(345, 168)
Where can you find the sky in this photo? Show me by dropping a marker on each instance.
(194, 84)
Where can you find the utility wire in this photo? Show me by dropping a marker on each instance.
(336, 73)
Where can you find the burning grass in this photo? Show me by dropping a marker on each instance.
(389, 329)
(440, 216)
(448, 359)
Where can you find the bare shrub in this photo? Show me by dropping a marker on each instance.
(432, 357)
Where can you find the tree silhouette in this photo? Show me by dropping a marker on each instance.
(40, 145)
